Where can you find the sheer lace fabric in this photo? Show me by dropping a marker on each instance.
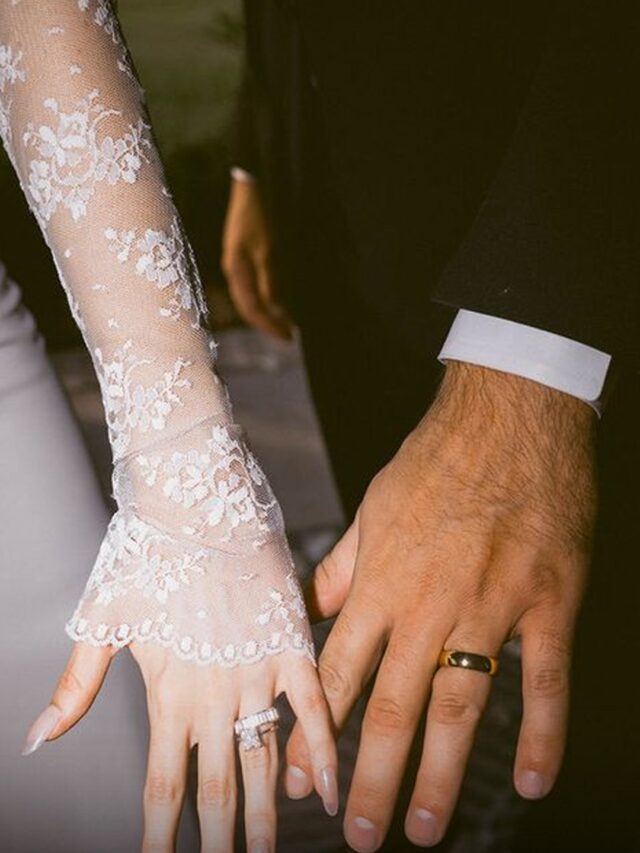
(195, 557)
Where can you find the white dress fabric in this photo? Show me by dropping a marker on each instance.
(195, 557)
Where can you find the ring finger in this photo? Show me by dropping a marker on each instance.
(458, 698)
(259, 773)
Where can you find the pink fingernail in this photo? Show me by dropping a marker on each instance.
(421, 827)
(41, 729)
(329, 791)
(362, 835)
(297, 783)
(532, 785)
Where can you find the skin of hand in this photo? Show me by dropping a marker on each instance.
(247, 262)
(191, 705)
(478, 531)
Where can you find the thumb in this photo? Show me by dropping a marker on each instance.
(327, 590)
(74, 694)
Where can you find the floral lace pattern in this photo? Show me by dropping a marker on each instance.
(217, 489)
(74, 157)
(104, 18)
(166, 259)
(132, 405)
(10, 74)
(136, 562)
(195, 558)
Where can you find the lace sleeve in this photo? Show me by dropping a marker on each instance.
(195, 557)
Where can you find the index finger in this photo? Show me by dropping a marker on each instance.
(351, 653)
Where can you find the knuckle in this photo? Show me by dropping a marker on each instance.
(548, 682)
(385, 714)
(69, 682)
(155, 846)
(160, 789)
(312, 703)
(260, 820)
(215, 792)
(454, 709)
(335, 682)
(401, 655)
(554, 643)
(367, 798)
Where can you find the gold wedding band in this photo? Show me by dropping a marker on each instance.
(468, 660)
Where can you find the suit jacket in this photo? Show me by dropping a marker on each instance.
(484, 155)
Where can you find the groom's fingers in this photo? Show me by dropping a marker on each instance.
(326, 592)
(350, 655)
(389, 724)
(546, 660)
(458, 699)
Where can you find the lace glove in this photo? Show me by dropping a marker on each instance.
(195, 557)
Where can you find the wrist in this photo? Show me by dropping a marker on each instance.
(477, 401)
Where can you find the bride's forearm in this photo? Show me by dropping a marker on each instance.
(195, 558)
(77, 131)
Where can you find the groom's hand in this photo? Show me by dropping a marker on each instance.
(477, 531)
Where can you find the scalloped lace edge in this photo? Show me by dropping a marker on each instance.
(187, 649)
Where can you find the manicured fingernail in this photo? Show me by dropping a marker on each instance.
(260, 845)
(297, 783)
(532, 785)
(363, 835)
(41, 729)
(329, 791)
(421, 827)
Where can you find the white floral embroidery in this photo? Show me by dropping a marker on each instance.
(103, 16)
(10, 74)
(166, 259)
(224, 482)
(130, 404)
(10, 71)
(283, 606)
(133, 555)
(133, 561)
(74, 158)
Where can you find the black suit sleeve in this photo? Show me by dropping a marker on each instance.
(555, 242)
(244, 148)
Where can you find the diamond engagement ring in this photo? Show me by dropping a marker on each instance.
(249, 729)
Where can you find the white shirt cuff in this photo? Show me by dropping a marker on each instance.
(242, 175)
(552, 360)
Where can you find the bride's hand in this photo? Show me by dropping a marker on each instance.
(192, 705)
